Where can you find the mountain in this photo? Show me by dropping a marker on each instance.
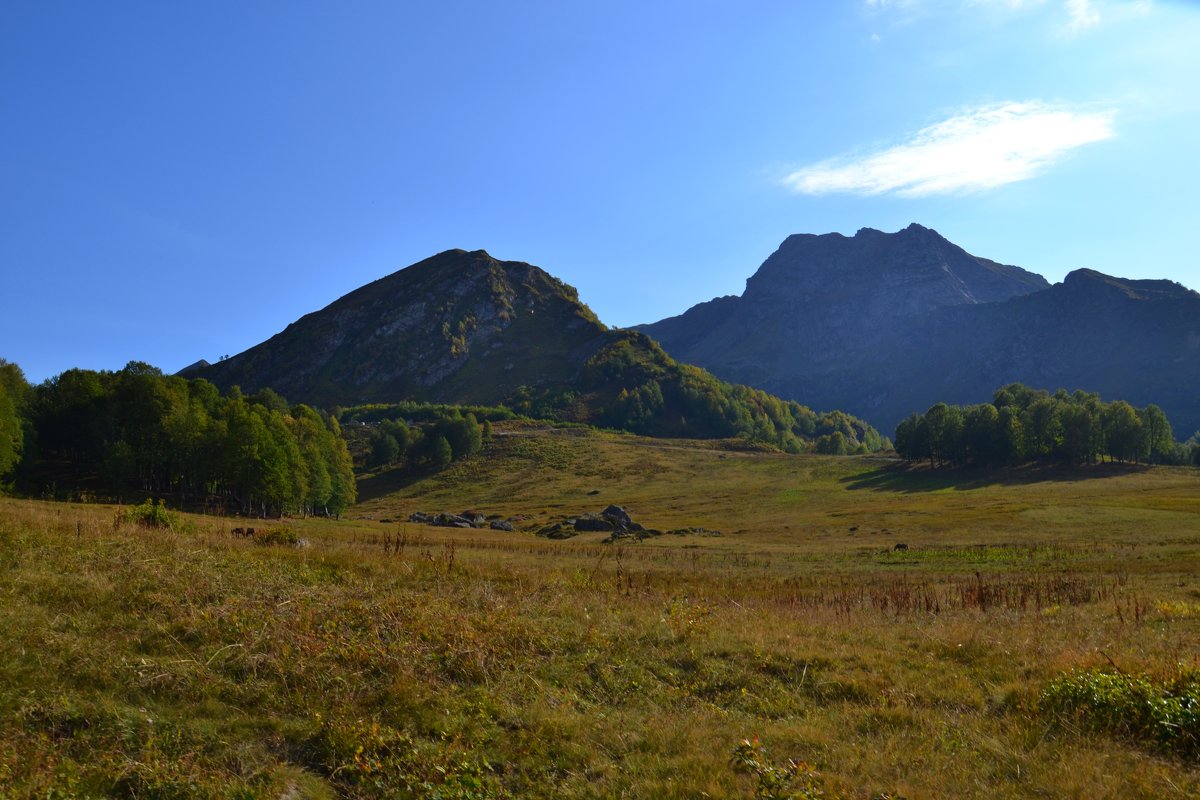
(886, 324)
(457, 327)
(465, 328)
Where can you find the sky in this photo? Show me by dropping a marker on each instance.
(182, 180)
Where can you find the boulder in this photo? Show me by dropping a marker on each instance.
(473, 517)
(619, 517)
(591, 522)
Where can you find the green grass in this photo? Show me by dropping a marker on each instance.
(389, 659)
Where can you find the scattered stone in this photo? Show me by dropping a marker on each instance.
(694, 531)
(447, 520)
(467, 519)
(594, 492)
(641, 534)
(557, 530)
(616, 521)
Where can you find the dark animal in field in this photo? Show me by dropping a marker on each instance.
(244, 533)
(900, 546)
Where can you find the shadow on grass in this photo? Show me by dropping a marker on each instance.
(372, 487)
(908, 478)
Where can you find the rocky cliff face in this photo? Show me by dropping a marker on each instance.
(885, 324)
(457, 327)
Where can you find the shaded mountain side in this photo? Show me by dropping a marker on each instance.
(463, 327)
(457, 327)
(882, 325)
(818, 298)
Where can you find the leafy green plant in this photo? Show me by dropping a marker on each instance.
(283, 536)
(150, 514)
(1164, 713)
(379, 760)
(794, 780)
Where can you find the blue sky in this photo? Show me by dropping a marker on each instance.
(181, 181)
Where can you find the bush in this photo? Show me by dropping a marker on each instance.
(150, 514)
(284, 536)
(795, 780)
(1163, 713)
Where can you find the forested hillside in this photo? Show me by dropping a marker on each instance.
(139, 432)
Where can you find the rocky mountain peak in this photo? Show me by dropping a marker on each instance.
(913, 269)
(455, 323)
(885, 324)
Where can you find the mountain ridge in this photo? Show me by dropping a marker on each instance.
(462, 327)
(886, 324)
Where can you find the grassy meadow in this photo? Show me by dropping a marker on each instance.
(386, 659)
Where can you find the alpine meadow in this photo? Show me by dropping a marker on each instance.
(744, 485)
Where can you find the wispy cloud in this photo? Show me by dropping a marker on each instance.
(1083, 15)
(980, 148)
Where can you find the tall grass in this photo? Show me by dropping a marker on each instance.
(385, 659)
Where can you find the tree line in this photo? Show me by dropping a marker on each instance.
(14, 420)
(137, 431)
(1022, 424)
(446, 435)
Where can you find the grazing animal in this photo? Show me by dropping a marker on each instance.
(900, 546)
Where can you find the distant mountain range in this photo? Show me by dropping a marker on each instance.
(882, 325)
(877, 324)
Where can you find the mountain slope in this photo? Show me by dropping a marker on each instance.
(458, 327)
(463, 327)
(885, 324)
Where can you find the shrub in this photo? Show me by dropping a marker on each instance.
(1163, 713)
(795, 780)
(150, 514)
(284, 536)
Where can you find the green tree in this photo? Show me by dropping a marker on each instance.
(1043, 427)
(1123, 432)
(981, 434)
(341, 469)
(13, 408)
(440, 453)
(384, 449)
(945, 431)
(1156, 429)
(1079, 441)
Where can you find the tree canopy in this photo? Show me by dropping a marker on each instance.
(137, 430)
(1023, 424)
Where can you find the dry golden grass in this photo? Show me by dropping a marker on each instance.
(390, 659)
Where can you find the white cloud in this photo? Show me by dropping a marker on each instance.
(1083, 15)
(980, 148)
